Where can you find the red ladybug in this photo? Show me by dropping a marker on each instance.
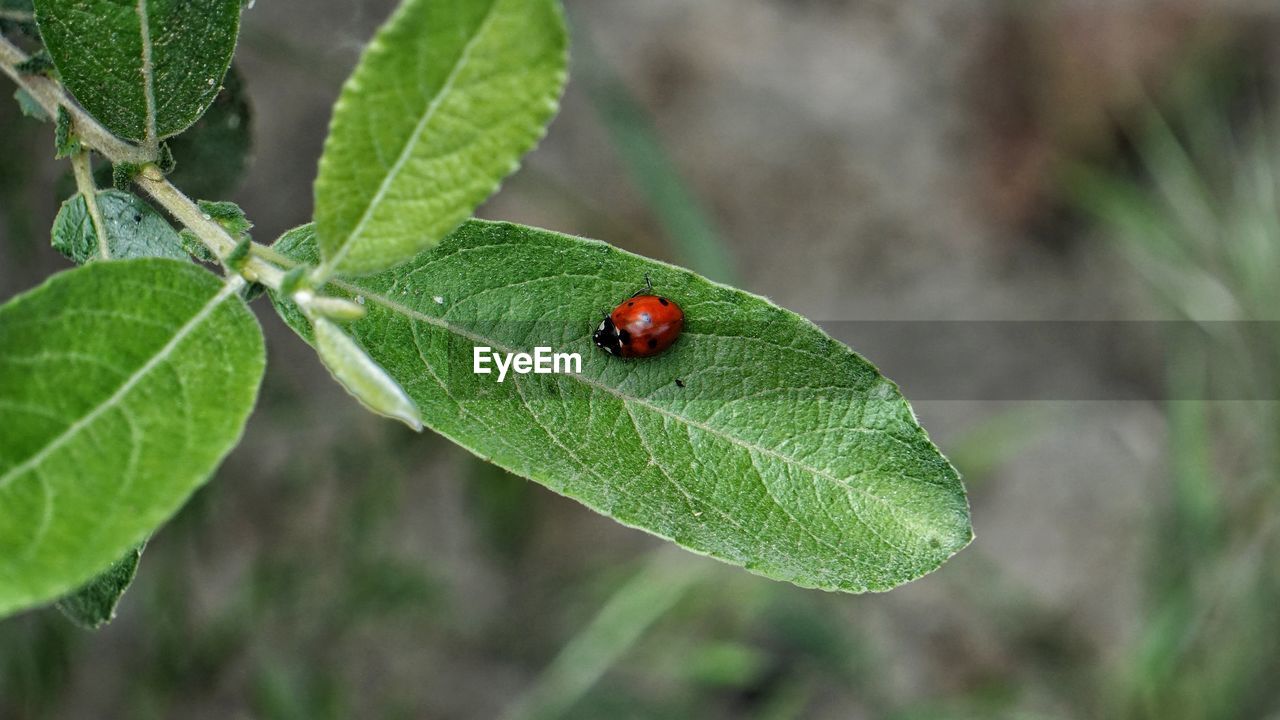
(642, 326)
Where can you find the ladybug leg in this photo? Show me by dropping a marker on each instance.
(648, 287)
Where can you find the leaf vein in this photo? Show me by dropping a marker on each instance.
(119, 395)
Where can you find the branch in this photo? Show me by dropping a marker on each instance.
(51, 96)
(210, 233)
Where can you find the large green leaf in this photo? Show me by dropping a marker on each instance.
(445, 101)
(134, 229)
(122, 386)
(146, 69)
(779, 450)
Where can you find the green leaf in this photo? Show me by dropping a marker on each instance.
(39, 63)
(227, 214)
(212, 154)
(445, 101)
(784, 451)
(122, 386)
(123, 173)
(361, 376)
(65, 142)
(134, 229)
(94, 604)
(146, 69)
(166, 162)
(193, 247)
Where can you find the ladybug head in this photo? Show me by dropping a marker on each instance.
(607, 338)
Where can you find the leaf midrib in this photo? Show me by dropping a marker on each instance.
(150, 132)
(125, 388)
(711, 430)
(407, 151)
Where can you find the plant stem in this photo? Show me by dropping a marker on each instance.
(50, 95)
(210, 233)
(269, 253)
(80, 164)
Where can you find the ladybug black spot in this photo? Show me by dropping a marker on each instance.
(630, 304)
(664, 301)
(653, 343)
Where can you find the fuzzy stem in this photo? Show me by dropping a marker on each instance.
(80, 164)
(50, 95)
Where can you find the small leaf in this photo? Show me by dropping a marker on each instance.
(134, 229)
(166, 162)
(122, 175)
(94, 604)
(38, 64)
(361, 376)
(122, 386)
(445, 101)
(30, 106)
(212, 154)
(146, 69)
(783, 452)
(238, 256)
(193, 247)
(228, 215)
(295, 278)
(65, 141)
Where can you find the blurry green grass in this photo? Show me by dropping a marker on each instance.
(1200, 224)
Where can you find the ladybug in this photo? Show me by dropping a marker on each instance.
(643, 325)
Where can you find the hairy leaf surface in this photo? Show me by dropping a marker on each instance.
(94, 604)
(146, 69)
(446, 99)
(134, 229)
(122, 386)
(779, 450)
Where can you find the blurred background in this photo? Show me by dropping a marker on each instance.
(875, 160)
